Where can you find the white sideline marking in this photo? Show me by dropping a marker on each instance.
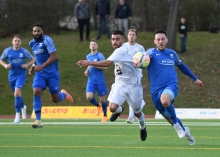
(117, 123)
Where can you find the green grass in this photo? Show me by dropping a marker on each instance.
(86, 138)
(202, 57)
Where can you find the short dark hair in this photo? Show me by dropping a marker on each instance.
(160, 31)
(16, 36)
(116, 32)
(38, 25)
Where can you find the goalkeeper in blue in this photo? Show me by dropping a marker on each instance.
(46, 72)
(164, 82)
(16, 65)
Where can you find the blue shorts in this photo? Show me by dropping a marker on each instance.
(42, 81)
(171, 90)
(17, 83)
(100, 88)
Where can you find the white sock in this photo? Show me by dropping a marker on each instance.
(131, 113)
(17, 114)
(38, 121)
(118, 110)
(141, 121)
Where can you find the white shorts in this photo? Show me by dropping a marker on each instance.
(133, 95)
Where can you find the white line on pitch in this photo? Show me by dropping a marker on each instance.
(116, 123)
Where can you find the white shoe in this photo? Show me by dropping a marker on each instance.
(130, 120)
(17, 118)
(189, 137)
(179, 130)
(23, 112)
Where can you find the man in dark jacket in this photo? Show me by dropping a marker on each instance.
(123, 13)
(102, 13)
(183, 34)
(83, 14)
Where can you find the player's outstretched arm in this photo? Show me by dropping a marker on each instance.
(199, 83)
(104, 63)
(186, 71)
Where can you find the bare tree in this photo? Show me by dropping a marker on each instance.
(171, 26)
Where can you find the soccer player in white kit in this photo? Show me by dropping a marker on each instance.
(133, 48)
(127, 86)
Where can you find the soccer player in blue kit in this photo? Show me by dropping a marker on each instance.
(164, 82)
(16, 56)
(96, 80)
(46, 69)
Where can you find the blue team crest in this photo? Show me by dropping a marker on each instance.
(40, 44)
(95, 59)
(171, 55)
(21, 55)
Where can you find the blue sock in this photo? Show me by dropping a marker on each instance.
(172, 114)
(22, 102)
(17, 104)
(61, 96)
(38, 115)
(94, 102)
(37, 107)
(104, 108)
(179, 121)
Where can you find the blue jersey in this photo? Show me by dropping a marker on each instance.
(161, 70)
(42, 50)
(16, 58)
(96, 76)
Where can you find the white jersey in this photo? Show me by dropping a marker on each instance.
(134, 48)
(125, 71)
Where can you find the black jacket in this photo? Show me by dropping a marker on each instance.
(123, 12)
(102, 8)
(183, 28)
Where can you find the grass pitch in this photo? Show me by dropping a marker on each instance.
(90, 138)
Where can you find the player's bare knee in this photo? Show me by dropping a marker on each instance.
(16, 94)
(165, 102)
(55, 100)
(113, 107)
(37, 92)
(138, 114)
(88, 98)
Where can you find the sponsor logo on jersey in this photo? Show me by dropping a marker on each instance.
(167, 62)
(17, 60)
(38, 51)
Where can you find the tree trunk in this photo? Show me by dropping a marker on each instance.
(171, 26)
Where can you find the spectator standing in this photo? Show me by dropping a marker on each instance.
(183, 34)
(83, 15)
(123, 13)
(102, 13)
